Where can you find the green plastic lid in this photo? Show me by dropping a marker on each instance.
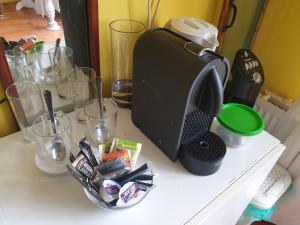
(241, 119)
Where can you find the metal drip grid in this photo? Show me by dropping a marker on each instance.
(208, 147)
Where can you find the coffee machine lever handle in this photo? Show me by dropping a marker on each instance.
(212, 99)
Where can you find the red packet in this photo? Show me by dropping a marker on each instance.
(125, 155)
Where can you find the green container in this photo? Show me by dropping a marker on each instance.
(238, 123)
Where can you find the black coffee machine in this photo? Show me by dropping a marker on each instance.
(177, 91)
(247, 79)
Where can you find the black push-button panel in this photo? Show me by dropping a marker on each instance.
(250, 66)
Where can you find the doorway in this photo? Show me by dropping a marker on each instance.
(241, 34)
(16, 24)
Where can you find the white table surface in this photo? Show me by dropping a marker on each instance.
(28, 196)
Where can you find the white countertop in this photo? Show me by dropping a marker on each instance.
(28, 196)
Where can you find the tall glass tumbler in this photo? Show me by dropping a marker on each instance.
(16, 64)
(124, 34)
(26, 101)
(84, 89)
(101, 130)
(62, 63)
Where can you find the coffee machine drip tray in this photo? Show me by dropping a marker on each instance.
(201, 152)
(203, 155)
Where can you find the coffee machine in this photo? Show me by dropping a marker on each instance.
(247, 79)
(177, 91)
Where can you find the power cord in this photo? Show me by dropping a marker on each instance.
(150, 18)
(2, 100)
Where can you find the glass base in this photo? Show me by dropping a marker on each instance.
(28, 136)
(50, 169)
(122, 93)
(79, 115)
(122, 104)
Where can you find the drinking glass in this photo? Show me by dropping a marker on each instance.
(16, 65)
(27, 104)
(84, 89)
(62, 64)
(124, 34)
(26, 74)
(43, 63)
(101, 130)
(46, 140)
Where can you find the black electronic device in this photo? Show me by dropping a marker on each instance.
(177, 91)
(247, 79)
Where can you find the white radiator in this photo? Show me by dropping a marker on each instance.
(282, 120)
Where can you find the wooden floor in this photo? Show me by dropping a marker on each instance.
(17, 24)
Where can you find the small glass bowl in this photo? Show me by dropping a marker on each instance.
(102, 205)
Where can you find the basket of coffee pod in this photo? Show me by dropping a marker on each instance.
(111, 181)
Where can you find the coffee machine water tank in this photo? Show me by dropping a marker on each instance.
(196, 30)
(247, 79)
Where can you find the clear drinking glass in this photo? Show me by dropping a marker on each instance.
(41, 55)
(16, 64)
(46, 142)
(62, 64)
(26, 74)
(84, 89)
(27, 104)
(101, 130)
(124, 34)
(42, 63)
